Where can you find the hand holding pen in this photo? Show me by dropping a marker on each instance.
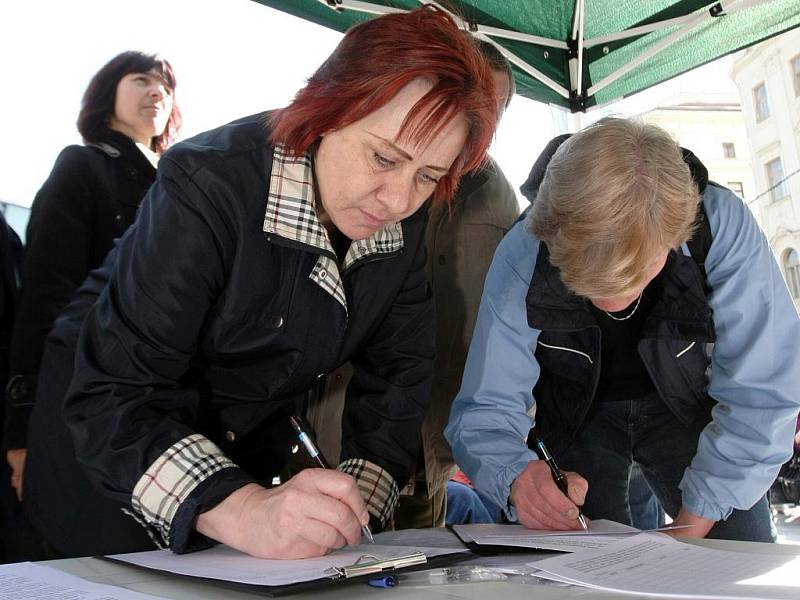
(315, 512)
(558, 476)
(315, 454)
(541, 502)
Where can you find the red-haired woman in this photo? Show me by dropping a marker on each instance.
(268, 252)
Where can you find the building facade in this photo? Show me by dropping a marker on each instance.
(712, 127)
(16, 216)
(768, 79)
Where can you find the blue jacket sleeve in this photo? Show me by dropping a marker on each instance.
(755, 367)
(493, 412)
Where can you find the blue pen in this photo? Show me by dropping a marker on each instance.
(317, 455)
(383, 582)
(558, 476)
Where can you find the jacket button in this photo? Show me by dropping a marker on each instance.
(322, 274)
(230, 436)
(277, 322)
(118, 218)
(442, 259)
(18, 390)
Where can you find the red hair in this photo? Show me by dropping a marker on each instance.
(373, 62)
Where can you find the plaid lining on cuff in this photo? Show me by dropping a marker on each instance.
(377, 487)
(291, 214)
(171, 478)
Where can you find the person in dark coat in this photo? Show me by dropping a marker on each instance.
(268, 252)
(10, 259)
(14, 530)
(128, 117)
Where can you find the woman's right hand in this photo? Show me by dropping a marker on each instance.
(313, 513)
(16, 460)
(541, 504)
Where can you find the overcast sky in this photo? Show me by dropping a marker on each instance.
(231, 58)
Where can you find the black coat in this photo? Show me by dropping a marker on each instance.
(10, 256)
(59, 499)
(209, 325)
(89, 199)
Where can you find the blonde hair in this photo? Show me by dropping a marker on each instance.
(615, 196)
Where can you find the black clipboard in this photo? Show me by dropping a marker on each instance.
(362, 570)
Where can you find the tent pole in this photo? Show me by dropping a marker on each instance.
(366, 7)
(636, 31)
(698, 18)
(575, 58)
(512, 58)
(580, 48)
(517, 36)
(479, 31)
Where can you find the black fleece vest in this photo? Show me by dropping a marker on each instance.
(672, 345)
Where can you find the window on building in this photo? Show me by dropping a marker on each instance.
(775, 182)
(791, 264)
(737, 188)
(795, 64)
(761, 102)
(728, 150)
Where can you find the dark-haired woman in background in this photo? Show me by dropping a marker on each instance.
(128, 118)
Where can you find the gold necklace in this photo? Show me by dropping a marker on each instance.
(629, 315)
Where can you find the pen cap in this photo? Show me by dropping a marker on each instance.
(545, 454)
(383, 582)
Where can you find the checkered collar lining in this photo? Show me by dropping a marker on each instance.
(291, 214)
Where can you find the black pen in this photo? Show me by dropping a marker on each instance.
(317, 455)
(558, 476)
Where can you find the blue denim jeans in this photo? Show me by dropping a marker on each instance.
(617, 434)
(465, 505)
(646, 511)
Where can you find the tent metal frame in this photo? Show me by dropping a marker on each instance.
(576, 45)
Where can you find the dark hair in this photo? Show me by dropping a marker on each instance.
(498, 62)
(97, 106)
(373, 62)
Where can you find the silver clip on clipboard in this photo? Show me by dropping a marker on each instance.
(368, 564)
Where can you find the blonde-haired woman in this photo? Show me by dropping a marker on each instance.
(600, 316)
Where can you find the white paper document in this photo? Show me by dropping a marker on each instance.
(658, 565)
(434, 537)
(601, 533)
(225, 564)
(26, 581)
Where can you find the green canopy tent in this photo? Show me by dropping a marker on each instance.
(585, 53)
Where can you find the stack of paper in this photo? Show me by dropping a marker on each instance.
(601, 533)
(27, 581)
(658, 565)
